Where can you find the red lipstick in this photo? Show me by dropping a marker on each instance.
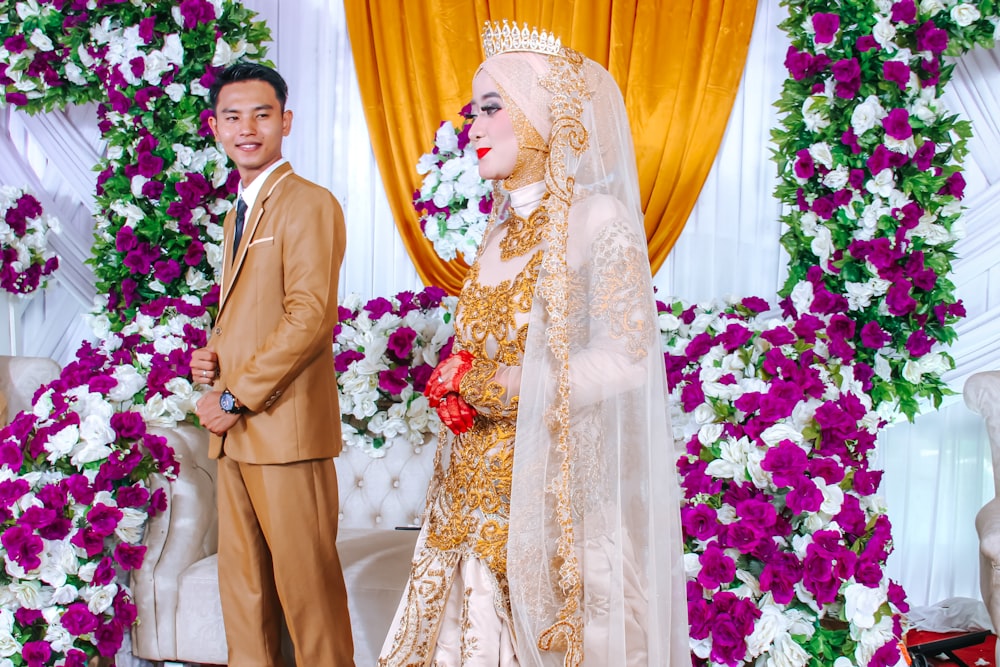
(481, 152)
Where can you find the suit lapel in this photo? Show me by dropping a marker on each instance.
(231, 269)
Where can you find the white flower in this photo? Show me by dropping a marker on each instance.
(99, 598)
(866, 115)
(884, 33)
(802, 296)
(787, 653)
(965, 14)
(156, 64)
(130, 528)
(40, 40)
(820, 152)
(62, 443)
(815, 118)
(931, 7)
(883, 183)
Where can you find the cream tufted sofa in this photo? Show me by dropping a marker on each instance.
(21, 376)
(177, 590)
(982, 395)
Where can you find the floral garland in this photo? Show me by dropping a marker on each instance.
(454, 201)
(162, 190)
(74, 486)
(27, 261)
(385, 351)
(785, 535)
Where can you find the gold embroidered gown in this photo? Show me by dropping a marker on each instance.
(455, 610)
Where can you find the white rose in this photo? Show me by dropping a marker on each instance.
(931, 7)
(814, 117)
(75, 74)
(64, 595)
(787, 653)
(882, 184)
(820, 152)
(223, 53)
(30, 594)
(43, 406)
(40, 40)
(866, 115)
(130, 527)
(62, 443)
(822, 245)
(771, 623)
(872, 639)
(445, 139)
(802, 296)
(913, 372)
(837, 179)
(772, 435)
(99, 598)
(861, 604)
(965, 14)
(156, 64)
(709, 434)
(884, 33)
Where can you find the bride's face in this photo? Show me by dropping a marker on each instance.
(492, 132)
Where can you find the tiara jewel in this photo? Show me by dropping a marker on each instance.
(501, 39)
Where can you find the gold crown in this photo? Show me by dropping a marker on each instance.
(502, 39)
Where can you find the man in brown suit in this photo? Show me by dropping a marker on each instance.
(273, 411)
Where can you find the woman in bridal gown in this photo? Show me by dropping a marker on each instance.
(551, 535)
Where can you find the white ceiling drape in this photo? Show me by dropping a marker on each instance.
(938, 473)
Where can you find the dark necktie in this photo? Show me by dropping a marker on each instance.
(241, 214)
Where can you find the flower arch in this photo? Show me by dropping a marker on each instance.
(74, 472)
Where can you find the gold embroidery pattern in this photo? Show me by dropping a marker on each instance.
(621, 295)
(568, 138)
(469, 501)
(523, 235)
(532, 150)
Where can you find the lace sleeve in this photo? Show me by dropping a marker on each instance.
(620, 326)
(491, 388)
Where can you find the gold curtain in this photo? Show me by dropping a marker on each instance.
(678, 63)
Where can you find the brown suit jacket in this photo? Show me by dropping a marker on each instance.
(274, 331)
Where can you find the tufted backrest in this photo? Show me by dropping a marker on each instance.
(384, 492)
(982, 395)
(21, 376)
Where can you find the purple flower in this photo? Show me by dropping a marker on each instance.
(109, 638)
(103, 519)
(400, 343)
(755, 304)
(826, 27)
(195, 12)
(797, 62)
(699, 522)
(786, 462)
(36, 653)
(716, 567)
(132, 496)
(924, 155)
(897, 124)
(23, 546)
(898, 299)
(28, 617)
(193, 189)
(873, 336)
(804, 166)
(129, 425)
(931, 38)
(781, 572)
(954, 186)
(692, 396)
(130, 556)
(805, 496)
(896, 72)
(378, 307)
(419, 375)
(344, 359)
(918, 344)
(904, 11)
(78, 619)
(393, 381)
(847, 70)
(886, 656)
(167, 270)
(866, 43)
(824, 207)
(147, 29)
(11, 490)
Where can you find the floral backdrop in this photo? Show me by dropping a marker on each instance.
(777, 404)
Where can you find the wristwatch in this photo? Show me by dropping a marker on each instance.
(228, 403)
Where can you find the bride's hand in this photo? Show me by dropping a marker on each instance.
(447, 377)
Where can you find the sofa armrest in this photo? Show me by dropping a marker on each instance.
(982, 395)
(175, 539)
(20, 377)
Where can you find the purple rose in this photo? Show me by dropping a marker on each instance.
(755, 304)
(846, 70)
(786, 462)
(103, 519)
(11, 490)
(898, 299)
(78, 619)
(132, 496)
(716, 567)
(805, 496)
(873, 336)
(378, 307)
(781, 572)
(866, 43)
(699, 522)
(924, 155)
(823, 207)
(195, 12)
(130, 556)
(931, 38)
(918, 344)
(344, 359)
(23, 546)
(393, 381)
(904, 11)
(954, 186)
(28, 617)
(804, 166)
(419, 375)
(734, 337)
(826, 27)
(36, 654)
(896, 72)
(129, 425)
(797, 62)
(931, 72)
(109, 637)
(692, 395)
(167, 270)
(897, 124)
(400, 343)
(886, 656)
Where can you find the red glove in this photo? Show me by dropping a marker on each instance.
(447, 377)
(455, 413)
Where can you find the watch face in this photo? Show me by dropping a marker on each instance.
(227, 402)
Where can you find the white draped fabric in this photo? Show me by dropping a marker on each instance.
(938, 472)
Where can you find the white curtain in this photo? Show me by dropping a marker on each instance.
(938, 473)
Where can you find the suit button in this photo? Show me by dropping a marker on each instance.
(218, 331)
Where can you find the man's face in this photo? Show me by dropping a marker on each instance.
(250, 125)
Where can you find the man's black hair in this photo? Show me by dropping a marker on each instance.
(247, 71)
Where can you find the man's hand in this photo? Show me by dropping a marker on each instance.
(204, 366)
(212, 416)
